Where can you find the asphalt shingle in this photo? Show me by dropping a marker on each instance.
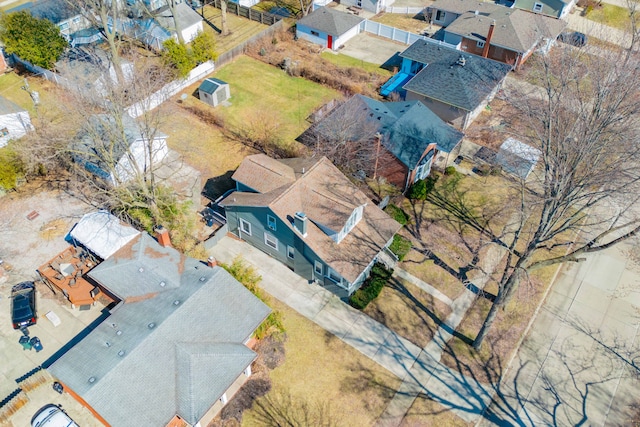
(330, 21)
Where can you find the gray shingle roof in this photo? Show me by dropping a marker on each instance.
(53, 10)
(444, 79)
(174, 352)
(185, 16)
(330, 21)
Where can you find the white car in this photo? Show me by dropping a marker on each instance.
(52, 416)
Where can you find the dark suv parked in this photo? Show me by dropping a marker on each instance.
(23, 305)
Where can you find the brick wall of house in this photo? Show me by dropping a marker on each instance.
(496, 53)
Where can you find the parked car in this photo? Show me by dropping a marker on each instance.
(573, 38)
(23, 305)
(52, 416)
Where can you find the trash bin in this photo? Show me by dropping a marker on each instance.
(25, 342)
(37, 345)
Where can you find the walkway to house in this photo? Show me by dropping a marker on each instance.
(419, 368)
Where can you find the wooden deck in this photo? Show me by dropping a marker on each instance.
(66, 272)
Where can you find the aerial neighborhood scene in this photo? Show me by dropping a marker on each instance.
(385, 213)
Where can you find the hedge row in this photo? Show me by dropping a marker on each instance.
(371, 288)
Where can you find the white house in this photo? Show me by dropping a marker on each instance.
(14, 121)
(189, 22)
(328, 27)
(101, 150)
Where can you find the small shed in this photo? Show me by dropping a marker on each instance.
(214, 91)
(328, 27)
(517, 158)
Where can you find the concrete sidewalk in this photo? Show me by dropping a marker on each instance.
(420, 370)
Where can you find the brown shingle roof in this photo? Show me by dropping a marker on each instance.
(328, 198)
(263, 174)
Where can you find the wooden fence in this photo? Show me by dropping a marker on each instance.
(230, 55)
(247, 12)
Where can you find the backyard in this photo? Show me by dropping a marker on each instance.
(240, 29)
(277, 108)
(412, 23)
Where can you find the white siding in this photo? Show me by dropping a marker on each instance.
(16, 125)
(346, 36)
(191, 32)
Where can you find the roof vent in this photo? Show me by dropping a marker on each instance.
(176, 302)
(476, 12)
(202, 279)
(92, 380)
(107, 343)
(461, 61)
(118, 332)
(113, 325)
(140, 270)
(162, 284)
(121, 353)
(151, 325)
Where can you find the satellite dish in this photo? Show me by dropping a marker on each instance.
(183, 96)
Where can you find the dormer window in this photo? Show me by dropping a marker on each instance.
(353, 220)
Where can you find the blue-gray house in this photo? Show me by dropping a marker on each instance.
(412, 137)
(305, 213)
(455, 85)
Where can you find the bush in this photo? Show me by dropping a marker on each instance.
(248, 276)
(397, 213)
(418, 191)
(11, 168)
(486, 170)
(371, 288)
(400, 246)
(450, 170)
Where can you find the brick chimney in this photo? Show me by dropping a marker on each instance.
(485, 50)
(212, 261)
(162, 235)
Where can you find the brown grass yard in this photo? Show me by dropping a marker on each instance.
(320, 369)
(408, 311)
(279, 102)
(424, 408)
(418, 264)
(240, 29)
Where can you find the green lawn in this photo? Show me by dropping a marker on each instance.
(11, 88)
(611, 15)
(348, 61)
(259, 90)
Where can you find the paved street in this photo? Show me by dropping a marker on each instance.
(578, 366)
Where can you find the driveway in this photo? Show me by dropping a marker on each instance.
(579, 363)
(370, 48)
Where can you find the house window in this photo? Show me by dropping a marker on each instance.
(315, 33)
(440, 15)
(333, 275)
(76, 20)
(318, 268)
(245, 226)
(291, 253)
(271, 222)
(479, 44)
(537, 7)
(64, 26)
(270, 241)
(4, 131)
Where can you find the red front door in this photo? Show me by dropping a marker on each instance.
(330, 42)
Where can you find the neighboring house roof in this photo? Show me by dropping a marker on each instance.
(516, 29)
(453, 77)
(54, 10)
(408, 127)
(327, 198)
(175, 352)
(185, 16)
(517, 157)
(9, 107)
(90, 66)
(103, 135)
(330, 21)
(210, 85)
(102, 233)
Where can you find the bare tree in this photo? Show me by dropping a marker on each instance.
(107, 16)
(223, 11)
(346, 137)
(584, 196)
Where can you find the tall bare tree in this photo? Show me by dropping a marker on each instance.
(223, 11)
(584, 195)
(107, 16)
